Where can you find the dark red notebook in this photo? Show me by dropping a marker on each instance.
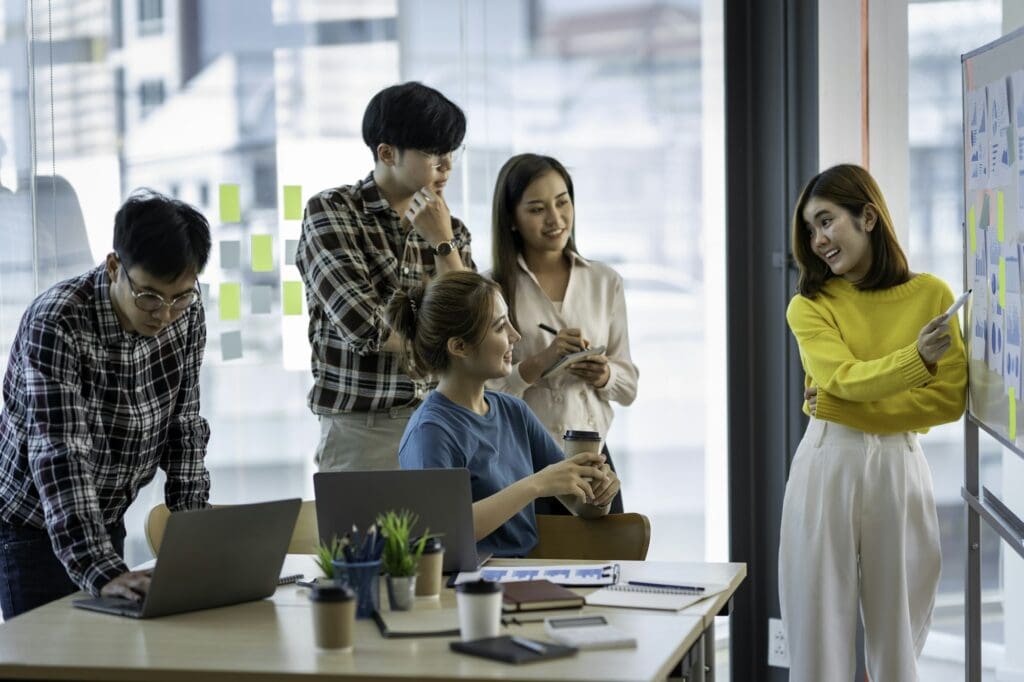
(537, 595)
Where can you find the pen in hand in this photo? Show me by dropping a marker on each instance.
(548, 329)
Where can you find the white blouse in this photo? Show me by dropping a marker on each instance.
(594, 302)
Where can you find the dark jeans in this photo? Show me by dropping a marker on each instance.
(551, 505)
(30, 573)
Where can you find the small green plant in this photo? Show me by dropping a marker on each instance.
(332, 551)
(400, 557)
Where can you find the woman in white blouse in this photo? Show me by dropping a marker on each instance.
(547, 282)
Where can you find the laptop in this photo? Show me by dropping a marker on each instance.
(440, 497)
(213, 557)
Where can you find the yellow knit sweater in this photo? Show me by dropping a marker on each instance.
(859, 348)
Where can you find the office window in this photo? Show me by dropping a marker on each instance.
(151, 96)
(276, 100)
(151, 17)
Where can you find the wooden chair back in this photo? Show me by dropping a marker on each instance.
(615, 537)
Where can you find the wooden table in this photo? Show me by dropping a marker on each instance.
(273, 640)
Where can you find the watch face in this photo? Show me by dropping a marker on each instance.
(443, 249)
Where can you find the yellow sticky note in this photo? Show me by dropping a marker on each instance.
(262, 253)
(972, 223)
(230, 301)
(1000, 221)
(230, 206)
(1002, 282)
(1013, 413)
(292, 298)
(293, 202)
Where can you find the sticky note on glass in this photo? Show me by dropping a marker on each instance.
(261, 297)
(291, 247)
(292, 297)
(972, 228)
(293, 202)
(1013, 413)
(262, 253)
(231, 345)
(230, 206)
(1000, 216)
(230, 301)
(230, 254)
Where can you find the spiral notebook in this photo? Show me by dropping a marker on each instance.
(661, 598)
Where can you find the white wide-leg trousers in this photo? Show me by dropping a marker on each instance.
(859, 527)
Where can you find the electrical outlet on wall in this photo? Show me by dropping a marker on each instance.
(778, 650)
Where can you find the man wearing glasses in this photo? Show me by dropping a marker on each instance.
(360, 243)
(102, 387)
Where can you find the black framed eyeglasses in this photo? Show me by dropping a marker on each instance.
(150, 302)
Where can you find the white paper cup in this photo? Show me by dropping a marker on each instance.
(479, 609)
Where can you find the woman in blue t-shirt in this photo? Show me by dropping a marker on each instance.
(457, 328)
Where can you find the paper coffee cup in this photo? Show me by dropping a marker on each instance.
(575, 441)
(479, 605)
(428, 579)
(334, 616)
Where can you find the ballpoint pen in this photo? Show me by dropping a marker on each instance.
(535, 647)
(549, 329)
(690, 588)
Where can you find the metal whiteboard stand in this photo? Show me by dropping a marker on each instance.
(980, 508)
(972, 638)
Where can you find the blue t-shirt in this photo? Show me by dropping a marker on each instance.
(505, 445)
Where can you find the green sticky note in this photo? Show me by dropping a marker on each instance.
(1000, 217)
(1013, 413)
(230, 206)
(262, 253)
(972, 229)
(230, 301)
(1002, 282)
(292, 298)
(293, 202)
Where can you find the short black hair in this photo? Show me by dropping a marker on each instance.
(413, 116)
(163, 236)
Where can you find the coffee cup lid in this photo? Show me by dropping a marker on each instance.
(331, 592)
(479, 587)
(573, 434)
(433, 546)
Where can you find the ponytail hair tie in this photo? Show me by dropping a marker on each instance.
(412, 304)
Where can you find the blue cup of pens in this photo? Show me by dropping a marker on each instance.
(364, 579)
(361, 569)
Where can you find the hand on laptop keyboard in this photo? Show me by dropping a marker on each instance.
(131, 585)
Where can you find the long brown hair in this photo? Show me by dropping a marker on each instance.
(458, 304)
(507, 243)
(852, 188)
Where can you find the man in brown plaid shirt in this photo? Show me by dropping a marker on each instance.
(362, 242)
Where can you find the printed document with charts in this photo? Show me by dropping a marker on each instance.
(659, 596)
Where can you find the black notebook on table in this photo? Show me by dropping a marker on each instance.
(506, 650)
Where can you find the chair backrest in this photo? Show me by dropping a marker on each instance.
(615, 537)
(304, 538)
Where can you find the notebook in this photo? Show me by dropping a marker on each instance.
(572, 358)
(417, 623)
(538, 595)
(507, 650)
(646, 597)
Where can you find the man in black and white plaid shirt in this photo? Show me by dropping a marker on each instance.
(360, 243)
(102, 387)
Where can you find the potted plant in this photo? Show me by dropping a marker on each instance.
(400, 556)
(326, 553)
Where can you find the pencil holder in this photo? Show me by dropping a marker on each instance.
(364, 579)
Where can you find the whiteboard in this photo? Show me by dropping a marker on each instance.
(993, 106)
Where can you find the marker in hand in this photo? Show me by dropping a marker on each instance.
(958, 303)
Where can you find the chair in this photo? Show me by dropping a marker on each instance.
(304, 538)
(620, 537)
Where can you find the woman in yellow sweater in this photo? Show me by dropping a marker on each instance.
(882, 363)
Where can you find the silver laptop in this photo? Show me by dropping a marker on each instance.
(213, 557)
(440, 497)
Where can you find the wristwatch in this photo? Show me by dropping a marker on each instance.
(443, 248)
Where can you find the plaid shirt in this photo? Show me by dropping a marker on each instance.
(353, 254)
(90, 412)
